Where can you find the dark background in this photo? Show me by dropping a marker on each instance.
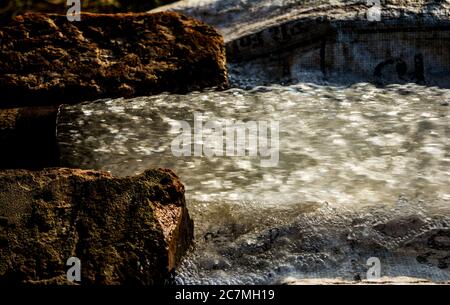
(11, 8)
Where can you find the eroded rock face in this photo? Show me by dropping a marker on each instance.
(124, 230)
(400, 226)
(330, 40)
(237, 18)
(437, 245)
(47, 60)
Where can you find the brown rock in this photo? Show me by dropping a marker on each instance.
(124, 230)
(47, 60)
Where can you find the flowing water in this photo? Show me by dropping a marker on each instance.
(350, 160)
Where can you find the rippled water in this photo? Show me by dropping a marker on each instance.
(349, 158)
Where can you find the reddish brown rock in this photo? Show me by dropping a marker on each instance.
(47, 60)
(124, 230)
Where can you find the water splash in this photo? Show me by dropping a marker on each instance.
(355, 162)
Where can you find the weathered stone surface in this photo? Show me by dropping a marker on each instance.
(401, 226)
(47, 60)
(329, 40)
(237, 18)
(431, 247)
(124, 230)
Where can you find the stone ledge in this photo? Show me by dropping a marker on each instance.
(47, 60)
